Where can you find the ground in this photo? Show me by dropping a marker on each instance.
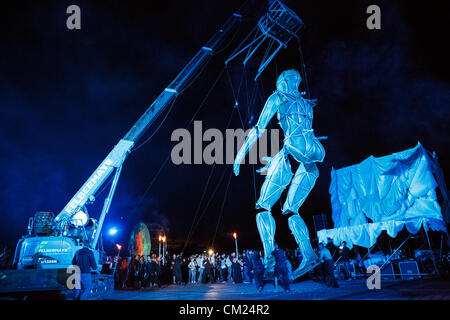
(427, 289)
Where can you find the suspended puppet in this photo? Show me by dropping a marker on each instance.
(295, 115)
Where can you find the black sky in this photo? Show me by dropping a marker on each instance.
(66, 97)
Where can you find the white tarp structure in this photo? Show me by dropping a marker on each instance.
(386, 193)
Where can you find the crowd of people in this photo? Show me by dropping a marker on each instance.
(207, 267)
(147, 271)
(245, 267)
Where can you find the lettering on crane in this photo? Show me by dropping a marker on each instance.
(89, 185)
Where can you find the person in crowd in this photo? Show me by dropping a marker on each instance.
(141, 272)
(250, 265)
(116, 272)
(133, 273)
(144, 270)
(280, 267)
(201, 268)
(192, 270)
(85, 260)
(154, 272)
(236, 270)
(223, 269)
(172, 271)
(166, 271)
(165, 265)
(258, 271)
(229, 264)
(212, 260)
(246, 263)
(331, 247)
(106, 267)
(345, 254)
(177, 273)
(289, 268)
(217, 270)
(123, 266)
(207, 273)
(184, 271)
(327, 259)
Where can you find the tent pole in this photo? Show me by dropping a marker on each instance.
(389, 258)
(368, 253)
(429, 245)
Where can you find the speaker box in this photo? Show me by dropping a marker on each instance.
(409, 270)
(320, 222)
(387, 273)
(352, 269)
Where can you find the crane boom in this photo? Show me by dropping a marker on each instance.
(119, 153)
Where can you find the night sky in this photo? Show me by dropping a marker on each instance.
(67, 97)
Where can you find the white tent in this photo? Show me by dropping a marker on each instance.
(383, 194)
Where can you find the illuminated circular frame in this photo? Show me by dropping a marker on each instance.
(80, 219)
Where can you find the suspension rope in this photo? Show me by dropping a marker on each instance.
(243, 124)
(207, 205)
(197, 211)
(303, 69)
(169, 155)
(192, 80)
(222, 208)
(195, 221)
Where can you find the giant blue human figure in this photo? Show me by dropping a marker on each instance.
(295, 115)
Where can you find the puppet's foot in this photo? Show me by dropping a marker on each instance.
(309, 266)
(301, 234)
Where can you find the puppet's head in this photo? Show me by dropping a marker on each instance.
(288, 81)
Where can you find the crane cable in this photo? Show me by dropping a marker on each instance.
(195, 221)
(149, 186)
(250, 109)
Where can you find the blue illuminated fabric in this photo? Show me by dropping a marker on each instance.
(366, 235)
(385, 193)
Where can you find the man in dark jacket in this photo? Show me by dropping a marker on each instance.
(207, 274)
(247, 266)
(280, 267)
(328, 263)
(236, 270)
(258, 270)
(184, 271)
(177, 269)
(133, 272)
(154, 272)
(345, 254)
(84, 259)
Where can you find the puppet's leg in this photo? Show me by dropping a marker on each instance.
(279, 175)
(301, 235)
(301, 185)
(266, 228)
